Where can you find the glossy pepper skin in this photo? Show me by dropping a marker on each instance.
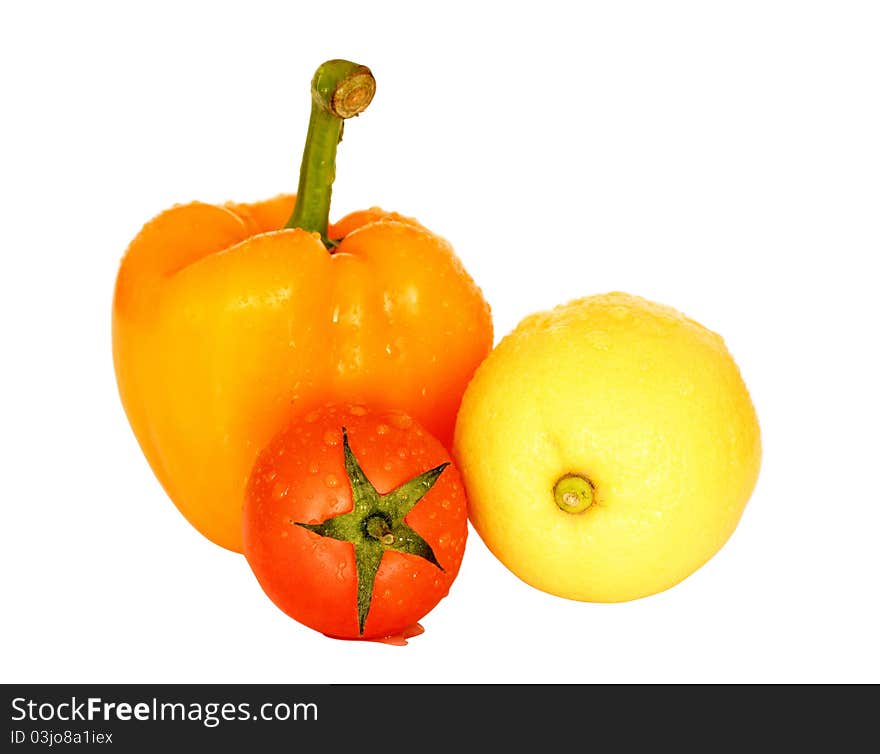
(226, 324)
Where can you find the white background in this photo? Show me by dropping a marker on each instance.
(722, 158)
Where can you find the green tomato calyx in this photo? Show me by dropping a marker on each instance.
(375, 524)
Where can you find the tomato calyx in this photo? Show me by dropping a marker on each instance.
(375, 524)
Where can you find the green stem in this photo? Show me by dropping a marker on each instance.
(378, 528)
(340, 90)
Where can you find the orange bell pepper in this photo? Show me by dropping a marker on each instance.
(227, 321)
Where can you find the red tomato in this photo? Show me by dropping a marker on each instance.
(355, 521)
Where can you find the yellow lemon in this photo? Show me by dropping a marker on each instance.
(608, 448)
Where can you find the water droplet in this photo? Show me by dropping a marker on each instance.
(355, 315)
(331, 438)
(340, 571)
(400, 639)
(335, 317)
(387, 465)
(432, 514)
(402, 421)
(331, 480)
(382, 429)
(402, 452)
(357, 411)
(415, 574)
(445, 505)
(280, 490)
(443, 540)
(313, 467)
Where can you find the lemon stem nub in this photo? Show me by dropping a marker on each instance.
(573, 493)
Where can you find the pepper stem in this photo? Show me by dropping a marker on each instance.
(340, 90)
